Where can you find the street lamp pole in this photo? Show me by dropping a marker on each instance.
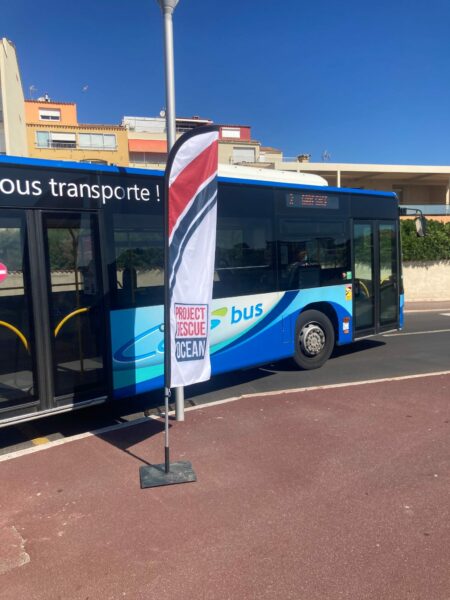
(167, 8)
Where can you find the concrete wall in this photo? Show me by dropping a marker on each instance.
(12, 102)
(427, 280)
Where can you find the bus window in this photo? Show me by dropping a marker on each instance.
(17, 380)
(364, 293)
(244, 257)
(75, 303)
(139, 261)
(312, 254)
(388, 273)
(244, 246)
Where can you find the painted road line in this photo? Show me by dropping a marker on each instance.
(81, 436)
(445, 314)
(73, 438)
(417, 332)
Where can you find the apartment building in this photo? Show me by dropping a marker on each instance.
(53, 132)
(147, 140)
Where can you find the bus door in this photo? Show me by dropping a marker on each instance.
(376, 277)
(19, 390)
(76, 315)
(52, 320)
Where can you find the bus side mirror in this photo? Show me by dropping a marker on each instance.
(421, 225)
(419, 220)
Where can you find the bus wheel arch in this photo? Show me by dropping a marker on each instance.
(315, 335)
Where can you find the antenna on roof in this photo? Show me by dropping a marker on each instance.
(32, 89)
(326, 156)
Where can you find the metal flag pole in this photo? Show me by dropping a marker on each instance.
(190, 212)
(167, 8)
(179, 472)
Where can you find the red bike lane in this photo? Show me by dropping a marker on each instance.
(339, 492)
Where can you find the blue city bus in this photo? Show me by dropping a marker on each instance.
(300, 268)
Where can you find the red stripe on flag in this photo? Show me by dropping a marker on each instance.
(189, 180)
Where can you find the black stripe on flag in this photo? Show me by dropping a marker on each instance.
(203, 203)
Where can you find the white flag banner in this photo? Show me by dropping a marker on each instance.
(191, 188)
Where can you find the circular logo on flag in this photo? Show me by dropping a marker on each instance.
(3, 272)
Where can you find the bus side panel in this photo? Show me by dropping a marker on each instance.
(137, 339)
(137, 347)
(245, 331)
(339, 298)
(268, 340)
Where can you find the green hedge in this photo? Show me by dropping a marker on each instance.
(434, 246)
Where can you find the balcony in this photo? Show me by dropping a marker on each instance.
(56, 144)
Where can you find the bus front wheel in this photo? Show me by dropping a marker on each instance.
(314, 339)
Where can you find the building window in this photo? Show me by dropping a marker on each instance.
(243, 154)
(231, 132)
(51, 139)
(148, 158)
(49, 115)
(97, 141)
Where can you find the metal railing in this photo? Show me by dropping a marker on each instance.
(430, 209)
(102, 148)
(292, 159)
(74, 146)
(51, 144)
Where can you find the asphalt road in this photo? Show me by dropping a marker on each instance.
(325, 494)
(422, 347)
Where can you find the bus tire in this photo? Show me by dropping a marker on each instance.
(314, 339)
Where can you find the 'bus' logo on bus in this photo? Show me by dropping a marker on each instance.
(191, 331)
(246, 313)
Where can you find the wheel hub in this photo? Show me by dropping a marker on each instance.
(312, 339)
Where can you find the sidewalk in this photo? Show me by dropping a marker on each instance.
(312, 495)
(427, 306)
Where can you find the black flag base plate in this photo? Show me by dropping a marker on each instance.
(155, 475)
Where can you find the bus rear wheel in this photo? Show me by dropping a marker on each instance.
(314, 339)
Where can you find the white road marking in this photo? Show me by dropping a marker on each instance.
(88, 434)
(417, 332)
(445, 314)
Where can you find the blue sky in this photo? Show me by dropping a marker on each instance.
(366, 81)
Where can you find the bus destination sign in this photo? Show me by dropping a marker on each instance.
(305, 200)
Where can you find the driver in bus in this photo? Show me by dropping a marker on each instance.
(301, 260)
(293, 270)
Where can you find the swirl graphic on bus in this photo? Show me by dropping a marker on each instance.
(154, 343)
(154, 340)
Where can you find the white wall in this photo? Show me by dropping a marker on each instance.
(427, 280)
